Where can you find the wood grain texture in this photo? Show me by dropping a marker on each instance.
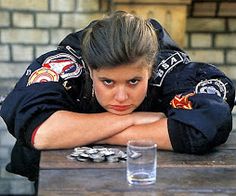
(113, 182)
(177, 174)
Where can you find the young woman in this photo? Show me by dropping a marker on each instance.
(121, 78)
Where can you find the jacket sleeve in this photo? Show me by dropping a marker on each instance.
(29, 105)
(204, 126)
(199, 122)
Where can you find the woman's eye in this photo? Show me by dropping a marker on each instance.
(133, 82)
(107, 82)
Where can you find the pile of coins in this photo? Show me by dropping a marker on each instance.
(98, 154)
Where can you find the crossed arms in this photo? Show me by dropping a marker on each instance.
(65, 129)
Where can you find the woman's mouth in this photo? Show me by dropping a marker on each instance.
(120, 107)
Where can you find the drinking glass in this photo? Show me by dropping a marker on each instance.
(141, 162)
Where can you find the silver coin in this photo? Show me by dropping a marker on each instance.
(84, 155)
(112, 158)
(122, 155)
(75, 154)
(99, 154)
(116, 150)
(82, 159)
(108, 152)
(78, 149)
(70, 157)
(98, 157)
(91, 151)
(99, 148)
(85, 148)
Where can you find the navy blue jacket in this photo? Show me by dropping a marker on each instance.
(196, 97)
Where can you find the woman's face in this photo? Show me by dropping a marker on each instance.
(122, 89)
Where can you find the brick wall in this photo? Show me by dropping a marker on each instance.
(213, 40)
(30, 27)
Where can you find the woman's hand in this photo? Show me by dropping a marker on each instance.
(140, 118)
(156, 131)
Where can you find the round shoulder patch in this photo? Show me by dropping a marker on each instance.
(43, 75)
(65, 65)
(212, 86)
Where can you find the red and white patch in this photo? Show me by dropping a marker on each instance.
(64, 65)
(43, 75)
(182, 102)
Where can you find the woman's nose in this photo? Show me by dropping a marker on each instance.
(121, 95)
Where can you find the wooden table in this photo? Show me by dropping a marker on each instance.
(177, 174)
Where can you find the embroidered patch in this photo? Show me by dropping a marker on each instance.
(65, 65)
(165, 66)
(182, 102)
(212, 86)
(43, 75)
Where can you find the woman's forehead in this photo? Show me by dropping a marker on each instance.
(127, 69)
(138, 64)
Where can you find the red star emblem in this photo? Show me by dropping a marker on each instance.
(182, 102)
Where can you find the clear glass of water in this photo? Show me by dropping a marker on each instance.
(141, 162)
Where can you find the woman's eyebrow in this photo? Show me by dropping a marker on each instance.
(107, 78)
(136, 78)
(104, 78)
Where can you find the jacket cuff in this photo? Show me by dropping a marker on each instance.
(33, 124)
(178, 136)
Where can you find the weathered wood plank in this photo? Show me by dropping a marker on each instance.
(204, 8)
(183, 181)
(218, 158)
(172, 17)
